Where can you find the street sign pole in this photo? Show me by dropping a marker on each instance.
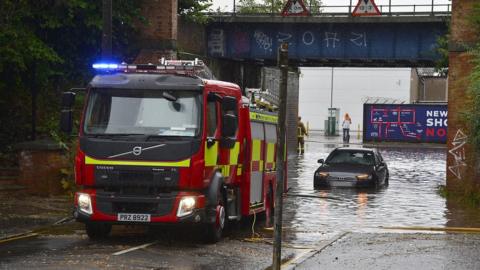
(281, 156)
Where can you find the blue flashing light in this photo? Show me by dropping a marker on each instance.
(105, 66)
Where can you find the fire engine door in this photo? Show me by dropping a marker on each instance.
(257, 166)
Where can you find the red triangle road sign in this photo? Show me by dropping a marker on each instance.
(295, 8)
(366, 8)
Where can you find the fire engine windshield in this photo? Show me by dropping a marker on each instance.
(142, 112)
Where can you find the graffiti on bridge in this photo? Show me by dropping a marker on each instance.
(327, 41)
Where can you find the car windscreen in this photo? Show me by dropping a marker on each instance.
(351, 157)
(143, 112)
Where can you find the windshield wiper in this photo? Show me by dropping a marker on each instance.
(114, 135)
(164, 137)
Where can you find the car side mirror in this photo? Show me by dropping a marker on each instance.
(229, 103)
(321, 161)
(229, 125)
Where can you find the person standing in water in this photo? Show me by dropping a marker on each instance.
(301, 132)
(347, 121)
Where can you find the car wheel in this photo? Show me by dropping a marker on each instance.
(98, 231)
(386, 179)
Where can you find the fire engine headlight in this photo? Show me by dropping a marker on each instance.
(85, 203)
(186, 206)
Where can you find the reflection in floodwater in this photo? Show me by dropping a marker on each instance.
(410, 200)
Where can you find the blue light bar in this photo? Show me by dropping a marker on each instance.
(105, 66)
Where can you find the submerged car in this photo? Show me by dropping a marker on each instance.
(352, 167)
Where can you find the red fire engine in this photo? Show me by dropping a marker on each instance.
(166, 144)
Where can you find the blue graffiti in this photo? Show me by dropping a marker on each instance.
(384, 41)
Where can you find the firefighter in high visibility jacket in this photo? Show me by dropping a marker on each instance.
(301, 132)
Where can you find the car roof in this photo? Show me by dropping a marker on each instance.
(360, 149)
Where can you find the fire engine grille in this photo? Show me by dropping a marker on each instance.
(140, 179)
(133, 178)
(113, 203)
(127, 207)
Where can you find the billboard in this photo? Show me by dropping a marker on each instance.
(405, 123)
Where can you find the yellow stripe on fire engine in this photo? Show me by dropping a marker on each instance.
(256, 150)
(211, 154)
(270, 152)
(183, 163)
(263, 117)
(239, 169)
(234, 154)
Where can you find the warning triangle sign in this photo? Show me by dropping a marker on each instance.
(295, 8)
(366, 8)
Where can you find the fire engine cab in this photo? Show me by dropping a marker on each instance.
(168, 144)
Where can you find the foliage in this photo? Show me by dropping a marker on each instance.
(441, 66)
(45, 48)
(194, 10)
(473, 114)
(273, 6)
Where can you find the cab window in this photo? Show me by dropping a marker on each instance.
(211, 118)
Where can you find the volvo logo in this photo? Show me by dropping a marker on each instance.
(137, 150)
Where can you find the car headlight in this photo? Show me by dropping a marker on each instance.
(322, 174)
(186, 206)
(363, 177)
(85, 203)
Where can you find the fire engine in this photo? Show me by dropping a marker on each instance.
(169, 144)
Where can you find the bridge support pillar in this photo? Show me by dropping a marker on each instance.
(462, 159)
(159, 34)
(246, 75)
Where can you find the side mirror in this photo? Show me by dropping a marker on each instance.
(66, 121)
(229, 125)
(68, 99)
(229, 103)
(321, 161)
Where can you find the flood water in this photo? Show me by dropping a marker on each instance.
(411, 199)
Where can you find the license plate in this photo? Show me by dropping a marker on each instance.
(342, 184)
(133, 217)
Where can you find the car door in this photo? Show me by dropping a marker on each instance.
(380, 167)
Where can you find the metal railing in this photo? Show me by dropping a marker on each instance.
(390, 9)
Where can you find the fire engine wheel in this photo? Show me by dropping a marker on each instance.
(97, 231)
(215, 229)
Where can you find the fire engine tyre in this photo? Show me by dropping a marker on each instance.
(98, 231)
(216, 198)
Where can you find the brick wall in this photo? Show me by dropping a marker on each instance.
(158, 36)
(461, 158)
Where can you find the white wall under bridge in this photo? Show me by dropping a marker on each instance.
(351, 86)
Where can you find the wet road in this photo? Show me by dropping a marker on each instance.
(312, 218)
(411, 199)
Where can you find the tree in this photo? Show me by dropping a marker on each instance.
(472, 115)
(45, 47)
(194, 10)
(274, 6)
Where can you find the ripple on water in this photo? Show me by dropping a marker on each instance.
(410, 200)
